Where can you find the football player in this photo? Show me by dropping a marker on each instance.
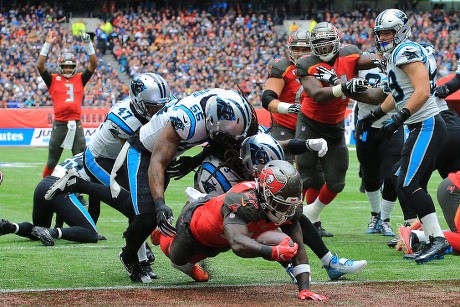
(208, 227)
(66, 91)
(411, 71)
(323, 113)
(212, 113)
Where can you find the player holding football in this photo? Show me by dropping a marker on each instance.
(207, 227)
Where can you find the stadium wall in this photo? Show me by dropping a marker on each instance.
(32, 127)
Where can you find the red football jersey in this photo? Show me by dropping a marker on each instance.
(239, 205)
(345, 66)
(292, 91)
(67, 96)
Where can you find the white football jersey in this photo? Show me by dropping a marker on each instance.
(187, 116)
(373, 76)
(399, 83)
(75, 162)
(121, 122)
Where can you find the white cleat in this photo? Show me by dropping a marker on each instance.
(62, 183)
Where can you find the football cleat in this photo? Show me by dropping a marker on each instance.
(135, 272)
(6, 227)
(193, 270)
(43, 234)
(404, 239)
(434, 249)
(385, 229)
(147, 269)
(62, 184)
(374, 224)
(340, 266)
(393, 243)
(321, 231)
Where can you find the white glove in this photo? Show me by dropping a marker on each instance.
(85, 37)
(319, 145)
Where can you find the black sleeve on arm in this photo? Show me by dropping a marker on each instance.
(46, 76)
(86, 76)
(454, 84)
(267, 97)
(296, 146)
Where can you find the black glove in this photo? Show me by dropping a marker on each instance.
(164, 218)
(326, 75)
(391, 125)
(363, 124)
(184, 165)
(355, 85)
(294, 108)
(442, 91)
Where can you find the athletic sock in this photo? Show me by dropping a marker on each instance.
(387, 209)
(374, 199)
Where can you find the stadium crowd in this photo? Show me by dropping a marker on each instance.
(192, 49)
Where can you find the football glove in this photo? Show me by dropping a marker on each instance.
(319, 145)
(294, 108)
(391, 125)
(326, 75)
(184, 165)
(283, 251)
(355, 85)
(165, 218)
(309, 295)
(381, 64)
(85, 37)
(442, 91)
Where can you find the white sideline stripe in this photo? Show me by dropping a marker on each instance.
(214, 286)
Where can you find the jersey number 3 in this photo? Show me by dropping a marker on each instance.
(70, 92)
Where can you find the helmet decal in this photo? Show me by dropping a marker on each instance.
(224, 110)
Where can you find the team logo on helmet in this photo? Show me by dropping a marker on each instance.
(224, 110)
(137, 86)
(209, 186)
(272, 182)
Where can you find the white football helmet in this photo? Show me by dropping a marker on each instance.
(325, 41)
(67, 60)
(228, 115)
(214, 179)
(148, 89)
(258, 150)
(280, 187)
(391, 19)
(299, 44)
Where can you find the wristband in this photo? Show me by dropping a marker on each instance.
(301, 268)
(89, 48)
(337, 90)
(283, 107)
(46, 49)
(266, 252)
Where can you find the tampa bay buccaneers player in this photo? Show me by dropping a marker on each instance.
(208, 226)
(283, 91)
(323, 112)
(66, 91)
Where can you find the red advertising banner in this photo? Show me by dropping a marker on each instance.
(43, 117)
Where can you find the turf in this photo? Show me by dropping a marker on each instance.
(26, 264)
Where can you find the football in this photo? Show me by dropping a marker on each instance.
(272, 238)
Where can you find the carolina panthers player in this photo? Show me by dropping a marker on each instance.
(82, 227)
(212, 113)
(148, 93)
(411, 73)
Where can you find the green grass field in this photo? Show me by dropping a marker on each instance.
(26, 264)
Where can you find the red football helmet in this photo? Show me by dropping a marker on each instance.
(67, 65)
(280, 187)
